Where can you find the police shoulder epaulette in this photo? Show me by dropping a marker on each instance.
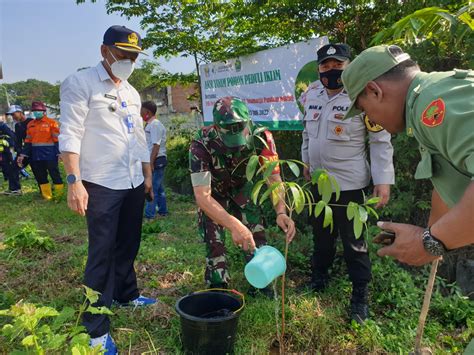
(371, 126)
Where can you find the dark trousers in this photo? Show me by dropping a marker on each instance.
(355, 250)
(41, 168)
(114, 221)
(10, 171)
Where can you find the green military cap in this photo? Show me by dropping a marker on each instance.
(231, 117)
(367, 66)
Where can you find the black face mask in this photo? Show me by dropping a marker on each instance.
(331, 79)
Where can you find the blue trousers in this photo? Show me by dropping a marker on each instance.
(159, 201)
(10, 170)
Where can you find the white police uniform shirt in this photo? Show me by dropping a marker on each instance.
(155, 133)
(339, 146)
(101, 122)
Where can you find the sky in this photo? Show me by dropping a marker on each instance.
(50, 39)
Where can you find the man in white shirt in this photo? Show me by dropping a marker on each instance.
(106, 159)
(155, 134)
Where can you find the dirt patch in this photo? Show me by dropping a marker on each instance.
(69, 239)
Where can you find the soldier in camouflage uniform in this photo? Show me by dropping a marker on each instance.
(218, 159)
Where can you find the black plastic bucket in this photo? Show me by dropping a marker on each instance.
(209, 321)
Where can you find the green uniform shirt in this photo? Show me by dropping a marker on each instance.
(440, 115)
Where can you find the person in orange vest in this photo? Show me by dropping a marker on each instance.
(41, 147)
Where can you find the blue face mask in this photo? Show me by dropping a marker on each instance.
(38, 114)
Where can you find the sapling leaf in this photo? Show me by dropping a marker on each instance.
(315, 175)
(99, 310)
(350, 211)
(251, 166)
(363, 215)
(328, 220)
(372, 211)
(319, 208)
(372, 201)
(357, 225)
(335, 186)
(294, 168)
(256, 190)
(269, 169)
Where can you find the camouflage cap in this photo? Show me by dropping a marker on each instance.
(231, 117)
(368, 66)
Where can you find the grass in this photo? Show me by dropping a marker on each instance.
(170, 264)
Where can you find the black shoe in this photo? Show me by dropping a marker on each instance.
(267, 292)
(359, 312)
(359, 303)
(319, 281)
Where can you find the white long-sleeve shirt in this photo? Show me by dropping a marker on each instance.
(94, 125)
(338, 145)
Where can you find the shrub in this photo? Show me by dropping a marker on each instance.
(28, 237)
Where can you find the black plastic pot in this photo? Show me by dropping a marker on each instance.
(209, 321)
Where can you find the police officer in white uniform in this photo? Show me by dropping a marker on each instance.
(339, 146)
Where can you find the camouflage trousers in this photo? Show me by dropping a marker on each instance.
(213, 235)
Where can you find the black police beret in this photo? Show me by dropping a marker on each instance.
(123, 38)
(339, 51)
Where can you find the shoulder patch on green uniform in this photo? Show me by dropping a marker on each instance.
(433, 115)
(371, 126)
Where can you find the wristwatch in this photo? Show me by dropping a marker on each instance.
(71, 179)
(433, 245)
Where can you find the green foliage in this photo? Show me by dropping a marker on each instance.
(151, 75)
(177, 150)
(430, 22)
(150, 229)
(438, 38)
(24, 92)
(30, 327)
(27, 236)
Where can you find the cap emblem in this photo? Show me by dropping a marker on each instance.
(331, 50)
(133, 39)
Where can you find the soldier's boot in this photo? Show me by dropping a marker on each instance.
(319, 280)
(58, 190)
(359, 303)
(46, 191)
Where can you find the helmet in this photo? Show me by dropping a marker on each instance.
(231, 117)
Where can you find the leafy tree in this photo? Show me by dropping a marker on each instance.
(24, 92)
(150, 74)
(440, 39)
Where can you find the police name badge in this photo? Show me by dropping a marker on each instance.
(130, 124)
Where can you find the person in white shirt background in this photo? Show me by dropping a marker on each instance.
(105, 155)
(155, 133)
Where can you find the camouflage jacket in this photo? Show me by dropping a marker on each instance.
(211, 162)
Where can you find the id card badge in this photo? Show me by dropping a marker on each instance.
(130, 124)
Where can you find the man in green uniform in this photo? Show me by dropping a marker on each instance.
(218, 158)
(438, 110)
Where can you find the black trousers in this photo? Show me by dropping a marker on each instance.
(114, 221)
(10, 171)
(355, 250)
(41, 168)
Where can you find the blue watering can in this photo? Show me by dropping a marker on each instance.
(266, 265)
